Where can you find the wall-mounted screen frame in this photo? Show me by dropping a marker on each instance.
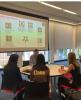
(22, 32)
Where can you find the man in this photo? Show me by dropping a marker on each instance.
(34, 57)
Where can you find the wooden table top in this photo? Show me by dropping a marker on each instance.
(54, 69)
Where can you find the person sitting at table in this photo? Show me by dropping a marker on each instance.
(33, 57)
(73, 68)
(12, 79)
(70, 76)
(40, 72)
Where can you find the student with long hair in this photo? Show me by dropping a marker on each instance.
(40, 72)
(12, 79)
(40, 75)
(73, 67)
(70, 79)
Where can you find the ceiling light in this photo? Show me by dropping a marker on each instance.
(50, 5)
(65, 10)
(69, 12)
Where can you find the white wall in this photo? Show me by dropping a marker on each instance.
(61, 36)
(78, 36)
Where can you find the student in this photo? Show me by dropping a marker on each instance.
(12, 79)
(70, 79)
(74, 67)
(33, 57)
(40, 74)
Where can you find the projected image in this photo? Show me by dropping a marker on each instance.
(21, 25)
(17, 32)
(8, 25)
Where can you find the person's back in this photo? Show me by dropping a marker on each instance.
(12, 80)
(40, 74)
(40, 71)
(12, 76)
(75, 73)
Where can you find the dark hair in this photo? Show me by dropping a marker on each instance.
(40, 61)
(35, 50)
(13, 59)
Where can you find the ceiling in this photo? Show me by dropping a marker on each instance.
(40, 9)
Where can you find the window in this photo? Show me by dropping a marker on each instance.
(78, 53)
(26, 55)
(61, 54)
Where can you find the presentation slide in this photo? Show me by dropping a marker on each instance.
(21, 33)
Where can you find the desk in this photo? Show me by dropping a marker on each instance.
(54, 70)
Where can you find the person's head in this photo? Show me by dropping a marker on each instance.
(40, 60)
(13, 59)
(36, 52)
(71, 57)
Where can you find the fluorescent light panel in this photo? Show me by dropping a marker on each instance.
(50, 5)
(65, 10)
(69, 12)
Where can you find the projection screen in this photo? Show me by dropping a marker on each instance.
(21, 32)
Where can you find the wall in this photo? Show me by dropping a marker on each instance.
(61, 36)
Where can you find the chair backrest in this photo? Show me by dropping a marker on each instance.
(37, 90)
(25, 63)
(79, 80)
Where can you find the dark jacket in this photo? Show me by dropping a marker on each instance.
(11, 78)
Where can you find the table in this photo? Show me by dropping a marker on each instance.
(54, 73)
(54, 69)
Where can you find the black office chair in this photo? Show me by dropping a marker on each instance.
(37, 91)
(25, 63)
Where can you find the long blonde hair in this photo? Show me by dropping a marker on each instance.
(72, 59)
